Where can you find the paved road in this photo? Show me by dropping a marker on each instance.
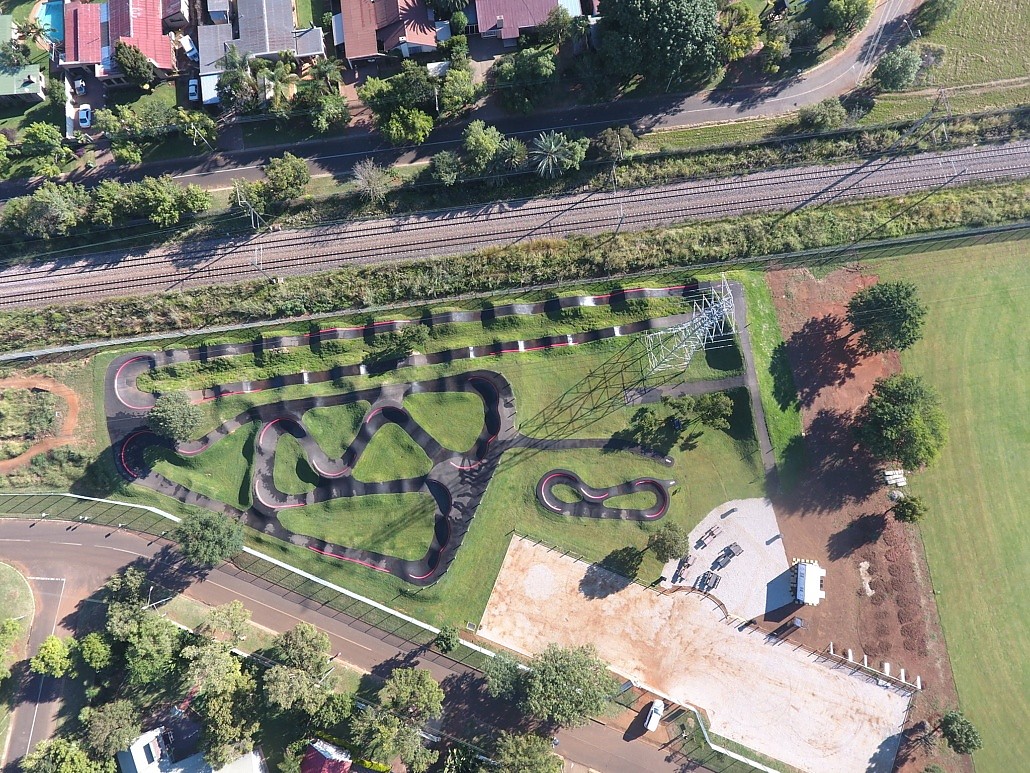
(445, 232)
(336, 156)
(84, 556)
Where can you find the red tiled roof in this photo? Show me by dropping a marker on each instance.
(327, 759)
(82, 32)
(516, 13)
(413, 24)
(359, 28)
(138, 23)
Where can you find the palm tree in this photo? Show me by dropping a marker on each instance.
(325, 73)
(234, 60)
(282, 80)
(510, 157)
(551, 153)
(31, 30)
(579, 30)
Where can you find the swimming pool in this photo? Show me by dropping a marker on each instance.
(51, 16)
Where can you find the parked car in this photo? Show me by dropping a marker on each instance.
(654, 716)
(193, 89)
(80, 87)
(85, 117)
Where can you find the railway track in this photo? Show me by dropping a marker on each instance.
(444, 232)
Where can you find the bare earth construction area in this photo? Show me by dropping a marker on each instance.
(775, 698)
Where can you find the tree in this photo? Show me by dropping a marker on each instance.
(553, 154)
(286, 177)
(897, 69)
(713, 409)
(153, 642)
(407, 125)
(448, 639)
(303, 647)
(902, 422)
(934, 12)
(612, 144)
(383, 737)
(325, 74)
(43, 139)
(372, 180)
(52, 658)
(237, 88)
(227, 622)
(289, 688)
(134, 64)
(667, 41)
(95, 651)
(445, 167)
(481, 143)
(206, 538)
(510, 157)
(14, 55)
(848, 16)
(910, 509)
(776, 47)
(447, 7)
(174, 416)
(164, 202)
(568, 685)
(31, 30)
(669, 542)
(740, 29)
(888, 315)
(110, 727)
(281, 81)
(828, 114)
(58, 755)
(228, 720)
(412, 693)
(960, 734)
(459, 23)
(527, 753)
(211, 666)
(649, 428)
(556, 28)
(505, 677)
(328, 111)
(51, 210)
(197, 126)
(524, 76)
(458, 90)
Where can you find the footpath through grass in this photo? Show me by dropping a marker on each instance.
(975, 353)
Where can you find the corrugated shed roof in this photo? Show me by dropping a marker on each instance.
(516, 13)
(211, 42)
(81, 33)
(138, 23)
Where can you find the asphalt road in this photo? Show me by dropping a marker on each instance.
(446, 232)
(84, 556)
(730, 101)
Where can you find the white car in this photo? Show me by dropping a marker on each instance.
(654, 716)
(193, 89)
(80, 87)
(85, 116)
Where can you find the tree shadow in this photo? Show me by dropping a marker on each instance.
(819, 356)
(784, 390)
(471, 711)
(615, 572)
(863, 530)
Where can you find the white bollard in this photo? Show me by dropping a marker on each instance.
(865, 661)
(522, 346)
(618, 331)
(851, 658)
(886, 668)
(919, 682)
(901, 675)
(472, 352)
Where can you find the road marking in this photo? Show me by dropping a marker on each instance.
(42, 679)
(48, 579)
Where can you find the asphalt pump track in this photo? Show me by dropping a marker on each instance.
(457, 480)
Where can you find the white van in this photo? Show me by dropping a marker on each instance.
(654, 716)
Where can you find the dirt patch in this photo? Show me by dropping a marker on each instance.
(879, 601)
(66, 432)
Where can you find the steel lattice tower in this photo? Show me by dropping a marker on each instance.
(712, 321)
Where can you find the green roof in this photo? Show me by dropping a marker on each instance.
(17, 80)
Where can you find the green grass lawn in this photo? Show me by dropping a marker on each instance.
(985, 40)
(395, 524)
(291, 472)
(975, 353)
(454, 419)
(335, 428)
(222, 471)
(391, 454)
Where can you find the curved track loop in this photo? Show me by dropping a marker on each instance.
(456, 482)
(593, 503)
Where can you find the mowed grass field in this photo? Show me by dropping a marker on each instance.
(985, 40)
(976, 353)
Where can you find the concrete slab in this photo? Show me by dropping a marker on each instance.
(772, 697)
(749, 584)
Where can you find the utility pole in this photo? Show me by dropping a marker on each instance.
(255, 217)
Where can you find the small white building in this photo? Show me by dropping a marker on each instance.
(152, 753)
(808, 581)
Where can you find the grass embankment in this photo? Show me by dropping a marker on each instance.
(975, 354)
(454, 419)
(15, 602)
(222, 471)
(571, 260)
(985, 40)
(391, 454)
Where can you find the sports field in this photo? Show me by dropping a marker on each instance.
(985, 40)
(976, 352)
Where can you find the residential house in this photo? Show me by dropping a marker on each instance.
(218, 10)
(153, 752)
(266, 28)
(370, 28)
(323, 757)
(92, 30)
(18, 85)
(507, 19)
(176, 14)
